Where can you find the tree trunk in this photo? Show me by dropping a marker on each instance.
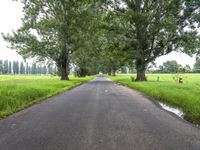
(141, 68)
(63, 61)
(63, 67)
(141, 75)
(63, 73)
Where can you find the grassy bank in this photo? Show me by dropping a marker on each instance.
(185, 96)
(18, 92)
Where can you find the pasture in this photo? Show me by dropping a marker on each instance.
(18, 92)
(185, 96)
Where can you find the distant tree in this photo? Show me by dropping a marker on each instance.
(170, 67)
(123, 69)
(160, 70)
(17, 67)
(39, 69)
(181, 69)
(34, 68)
(1, 66)
(22, 68)
(27, 69)
(14, 67)
(50, 70)
(186, 69)
(197, 66)
(10, 67)
(44, 70)
(5, 67)
(55, 70)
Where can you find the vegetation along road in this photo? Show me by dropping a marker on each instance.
(20, 91)
(184, 96)
(97, 115)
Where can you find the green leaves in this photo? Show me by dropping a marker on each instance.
(114, 33)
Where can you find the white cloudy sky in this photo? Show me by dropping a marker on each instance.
(10, 14)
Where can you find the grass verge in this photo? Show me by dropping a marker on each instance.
(19, 92)
(185, 96)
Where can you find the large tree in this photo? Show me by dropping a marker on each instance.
(48, 31)
(158, 27)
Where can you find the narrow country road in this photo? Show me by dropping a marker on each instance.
(99, 115)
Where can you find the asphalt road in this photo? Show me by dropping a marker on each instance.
(99, 115)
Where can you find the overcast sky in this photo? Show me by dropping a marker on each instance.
(10, 16)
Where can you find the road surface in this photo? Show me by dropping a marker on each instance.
(99, 115)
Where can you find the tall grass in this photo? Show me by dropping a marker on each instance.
(17, 92)
(185, 96)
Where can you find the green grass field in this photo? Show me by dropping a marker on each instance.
(185, 96)
(18, 92)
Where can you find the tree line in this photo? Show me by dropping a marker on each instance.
(106, 35)
(173, 67)
(16, 67)
(170, 66)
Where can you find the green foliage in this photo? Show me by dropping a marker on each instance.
(171, 66)
(157, 28)
(22, 68)
(86, 56)
(5, 67)
(115, 52)
(106, 35)
(197, 66)
(16, 68)
(184, 96)
(18, 92)
(49, 31)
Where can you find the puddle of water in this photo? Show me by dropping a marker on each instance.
(176, 111)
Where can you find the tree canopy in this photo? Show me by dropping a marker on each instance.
(106, 35)
(49, 31)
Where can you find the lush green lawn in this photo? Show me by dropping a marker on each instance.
(17, 92)
(185, 96)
